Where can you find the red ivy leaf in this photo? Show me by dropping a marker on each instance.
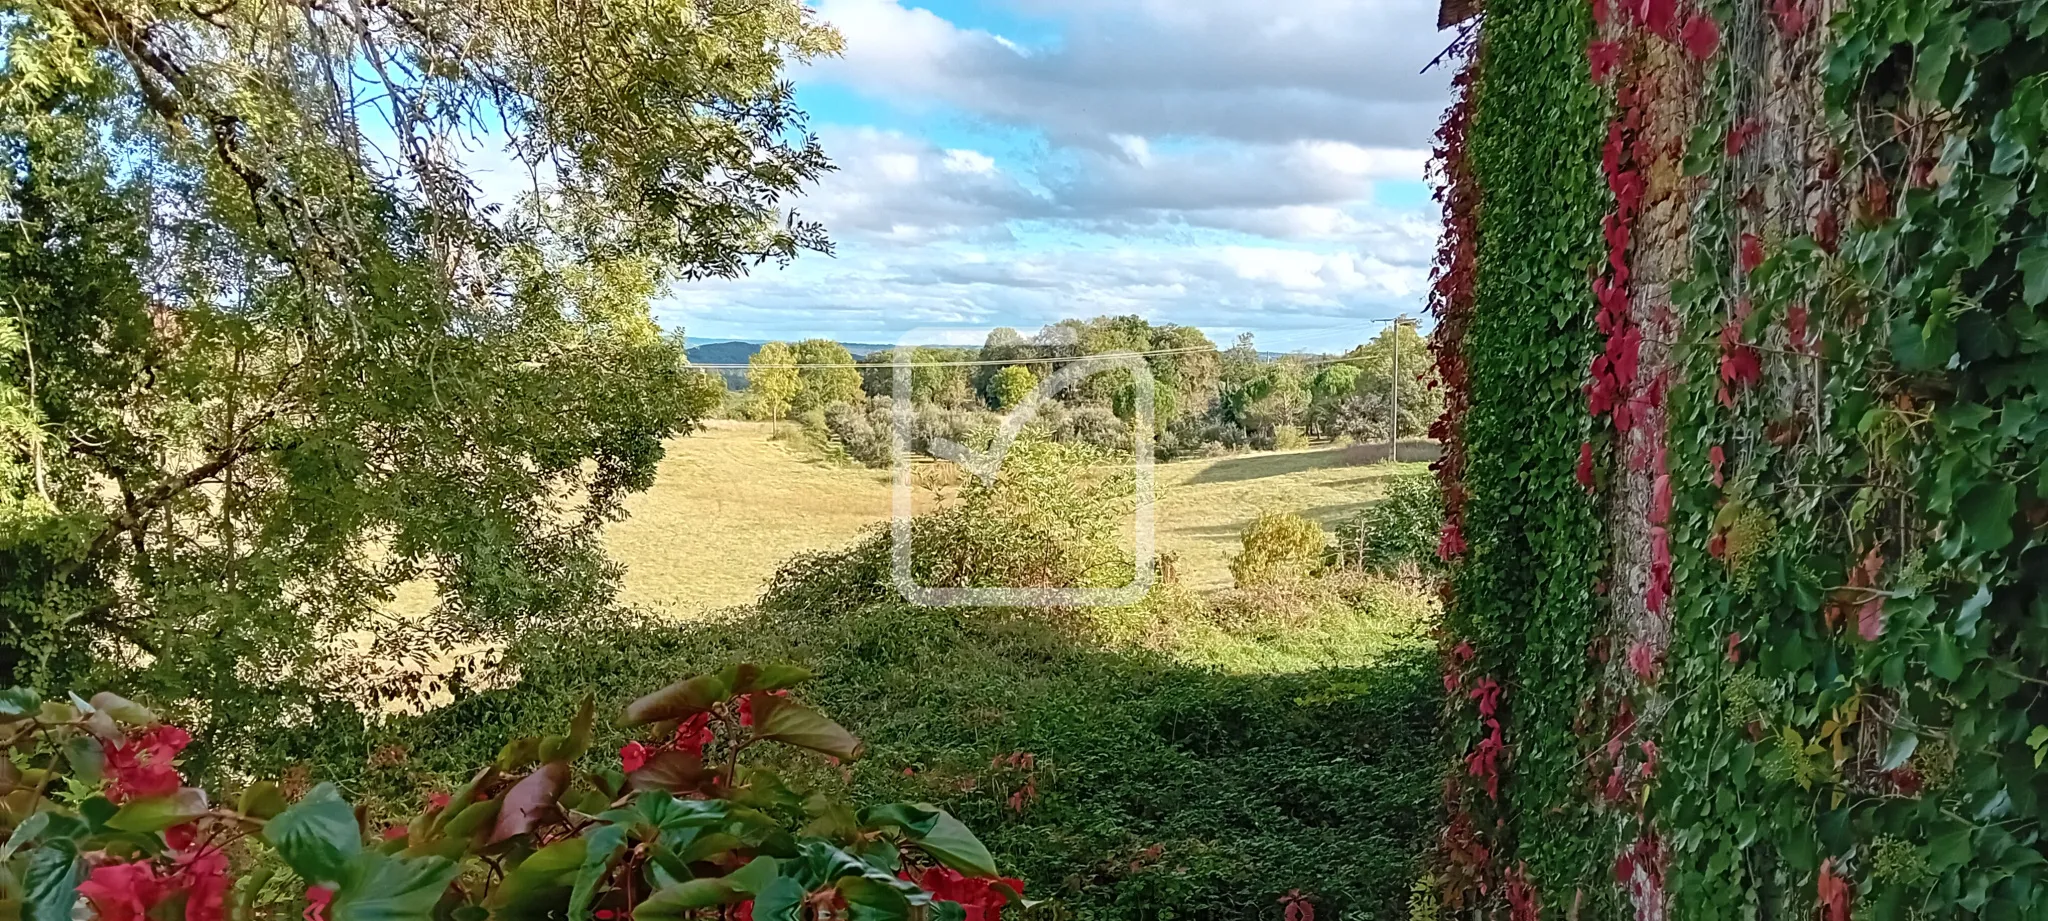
(1701, 36)
(1752, 252)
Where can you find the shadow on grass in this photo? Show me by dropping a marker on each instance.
(1260, 466)
(1161, 789)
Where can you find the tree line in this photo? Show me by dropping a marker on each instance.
(1206, 400)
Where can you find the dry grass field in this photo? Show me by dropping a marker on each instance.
(730, 504)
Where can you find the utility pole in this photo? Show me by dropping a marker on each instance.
(1394, 391)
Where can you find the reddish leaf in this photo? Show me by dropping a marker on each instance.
(671, 770)
(1602, 58)
(530, 801)
(1870, 620)
(1585, 468)
(1752, 253)
(1701, 36)
(1833, 893)
(783, 720)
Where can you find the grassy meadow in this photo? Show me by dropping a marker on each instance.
(731, 504)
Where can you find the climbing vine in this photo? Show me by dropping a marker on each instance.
(1747, 613)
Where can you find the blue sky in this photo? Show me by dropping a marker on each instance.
(1229, 164)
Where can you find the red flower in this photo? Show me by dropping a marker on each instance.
(1602, 58)
(694, 733)
(746, 707)
(1734, 649)
(395, 832)
(437, 802)
(633, 757)
(1701, 36)
(143, 764)
(1752, 253)
(983, 899)
(1585, 470)
(122, 891)
(1833, 893)
(203, 877)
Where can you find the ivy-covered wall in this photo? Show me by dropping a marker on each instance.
(1741, 309)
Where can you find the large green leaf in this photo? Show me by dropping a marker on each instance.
(24, 834)
(602, 846)
(50, 887)
(937, 833)
(156, 813)
(542, 883)
(783, 720)
(673, 902)
(781, 900)
(530, 801)
(318, 836)
(380, 887)
(873, 900)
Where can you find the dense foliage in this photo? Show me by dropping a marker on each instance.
(99, 816)
(1833, 705)
(272, 352)
(1206, 401)
(1175, 758)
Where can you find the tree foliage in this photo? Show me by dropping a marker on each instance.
(276, 352)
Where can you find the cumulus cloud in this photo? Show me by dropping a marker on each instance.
(1249, 70)
(1207, 162)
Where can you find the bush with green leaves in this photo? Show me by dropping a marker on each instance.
(98, 817)
(1278, 547)
(1398, 532)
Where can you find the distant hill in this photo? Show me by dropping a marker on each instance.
(737, 351)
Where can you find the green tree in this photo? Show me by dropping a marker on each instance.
(773, 380)
(1420, 402)
(1011, 385)
(828, 376)
(281, 363)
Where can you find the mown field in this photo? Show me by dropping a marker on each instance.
(730, 504)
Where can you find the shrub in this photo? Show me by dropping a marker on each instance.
(863, 430)
(1289, 438)
(678, 826)
(1278, 547)
(1399, 532)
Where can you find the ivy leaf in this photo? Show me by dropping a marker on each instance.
(317, 837)
(1898, 749)
(1944, 660)
(1973, 611)
(1949, 849)
(2033, 263)
(1987, 511)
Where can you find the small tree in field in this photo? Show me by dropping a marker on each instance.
(1278, 547)
(773, 381)
(1011, 385)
